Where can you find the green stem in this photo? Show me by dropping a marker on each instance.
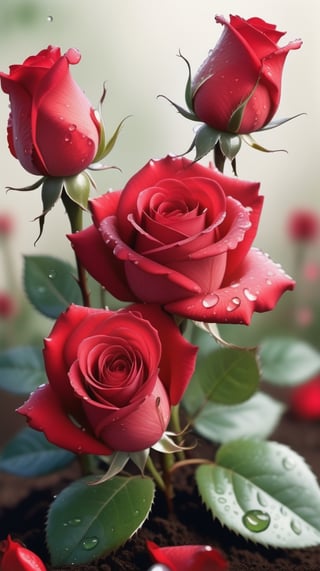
(155, 474)
(75, 215)
(176, 427)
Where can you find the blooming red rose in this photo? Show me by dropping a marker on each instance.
(15, 557)
(113, 376)
(52, 129)
(188, 557)
(180, 234)
(243, 72)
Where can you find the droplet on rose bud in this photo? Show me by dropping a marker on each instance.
(158, 567)
(233, 304)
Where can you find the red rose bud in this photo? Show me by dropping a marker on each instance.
(113, 376)
(305, 399)
(304, 225)
(180, 234)
(44, 100)
(238, 87)
(188, 557)
(15, 557)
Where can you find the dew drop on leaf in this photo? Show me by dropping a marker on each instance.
(288, 463)
(295, 527)
(90, 543)
(74, 521)
(256, 520)
(49, 18)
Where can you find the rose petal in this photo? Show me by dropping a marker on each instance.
(257, 286)
(188, 557)
(44, 412)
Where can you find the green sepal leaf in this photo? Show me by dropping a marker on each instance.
(50, 284)
(21, 369)
(187, 114)
(228, 376)
(277, 122)
(32, 186)
(29, 454)
(252, 143)
(188, 90)
(87, 521)
(204, 141)
(263, 491)
(51, 191)
(286, 361)
(230, 145)
(255, 418)
(78, 189)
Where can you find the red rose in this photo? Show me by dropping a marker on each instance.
(113, 376)
(15, 557)
(305, 399)
(52, 129)
(188, 557)
(180, 234)
(245, 67)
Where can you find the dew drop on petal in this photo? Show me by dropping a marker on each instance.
(249, 295)
(233, 304)
(210, 300)
(256, 520)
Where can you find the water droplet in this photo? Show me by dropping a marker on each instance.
(295, 526)
(222, 500)
(210, 300)
(52, 274)
(268, 282)
(249, 295)
(67, 138)
(41, 290)
(74, 521)
(72, 127)
(90, 543)
(288, 463)
(256, 520)
(262, 499)
(158, 567)
(49, 18)
(233, 304)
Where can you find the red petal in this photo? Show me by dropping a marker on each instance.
(257, 286)
(188, 557)
(44, 413)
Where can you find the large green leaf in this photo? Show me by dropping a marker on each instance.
(50, 284)
(286, 361)
(86, 521)
(257, 417)
(21, 369)
(263, 491)
(30, 454)
(228, 376)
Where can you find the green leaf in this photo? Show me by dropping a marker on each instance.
(229, 376)
(87, 521)
(286, 361)
(257, 417)
(263, 491)
(30, 454)
(21, 369)
(50, 284)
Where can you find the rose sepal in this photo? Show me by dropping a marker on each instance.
(118, 460)
(167, 446)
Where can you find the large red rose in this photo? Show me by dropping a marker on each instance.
(180, 234)
(52, 129)
(113, 376)
(244, 69)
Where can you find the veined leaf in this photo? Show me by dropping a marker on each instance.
(255, 418)
(30, 454)
(263, 491)
(21, 369)
(286, 361)
(229, 376)
(86, 521)
(50, 284)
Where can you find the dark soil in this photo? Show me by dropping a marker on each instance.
(191, 524)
